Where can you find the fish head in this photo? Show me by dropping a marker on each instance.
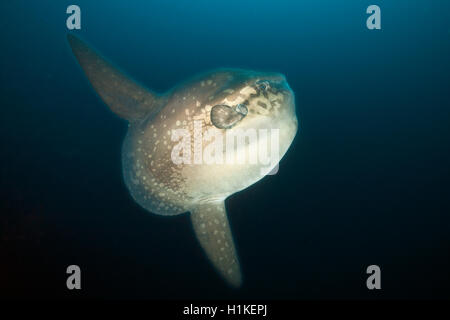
(258, 101)
(252, 114)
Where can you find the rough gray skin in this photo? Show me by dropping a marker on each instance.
(224, 99)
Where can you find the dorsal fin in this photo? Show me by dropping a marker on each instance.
(123, 96)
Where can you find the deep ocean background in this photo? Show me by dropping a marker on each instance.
(366, 180)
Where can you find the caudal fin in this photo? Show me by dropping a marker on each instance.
(211, 226)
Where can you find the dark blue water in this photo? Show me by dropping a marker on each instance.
(366, 180)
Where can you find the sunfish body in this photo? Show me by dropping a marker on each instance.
(170, 136)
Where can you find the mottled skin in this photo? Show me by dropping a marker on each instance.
(163, 187)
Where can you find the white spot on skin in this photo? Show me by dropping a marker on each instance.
(198, 104)
(237, 100)
(247, 91)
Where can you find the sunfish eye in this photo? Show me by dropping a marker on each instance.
(263, 84)
(241, 108)
(225, 117)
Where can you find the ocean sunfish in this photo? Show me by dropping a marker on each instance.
(190, 148)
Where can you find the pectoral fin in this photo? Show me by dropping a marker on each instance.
(213, 231)
(123, 96)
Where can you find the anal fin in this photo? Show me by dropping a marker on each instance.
(211, 226)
